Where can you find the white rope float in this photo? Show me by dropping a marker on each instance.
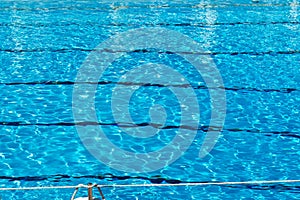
(205, 184)
(47, 187)
(156, 185)
(91, 186)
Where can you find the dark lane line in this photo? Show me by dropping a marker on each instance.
(201, 24)
(233, 53)
(281, 90)
(157, 126)
(157, 179)
(278, 186)
(61, 177)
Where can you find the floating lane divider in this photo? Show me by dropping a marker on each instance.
(90, 186)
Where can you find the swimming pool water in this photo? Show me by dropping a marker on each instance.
(255, 47)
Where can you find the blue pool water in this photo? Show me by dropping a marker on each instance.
(254, 45)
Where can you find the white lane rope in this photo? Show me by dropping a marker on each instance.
(156, 185)
(47, 187)
(205, 184)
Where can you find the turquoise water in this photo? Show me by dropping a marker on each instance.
(255, 47)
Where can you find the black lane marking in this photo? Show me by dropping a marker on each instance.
(123, 125)
(281, 90)
(152, 51)
(158, 126)
(201, 24)
(272, 186)
(153, 180)
(95, 83)
(111, 177)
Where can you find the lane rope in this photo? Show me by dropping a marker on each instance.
(155, 185)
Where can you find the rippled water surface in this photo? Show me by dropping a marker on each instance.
(254, 45)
